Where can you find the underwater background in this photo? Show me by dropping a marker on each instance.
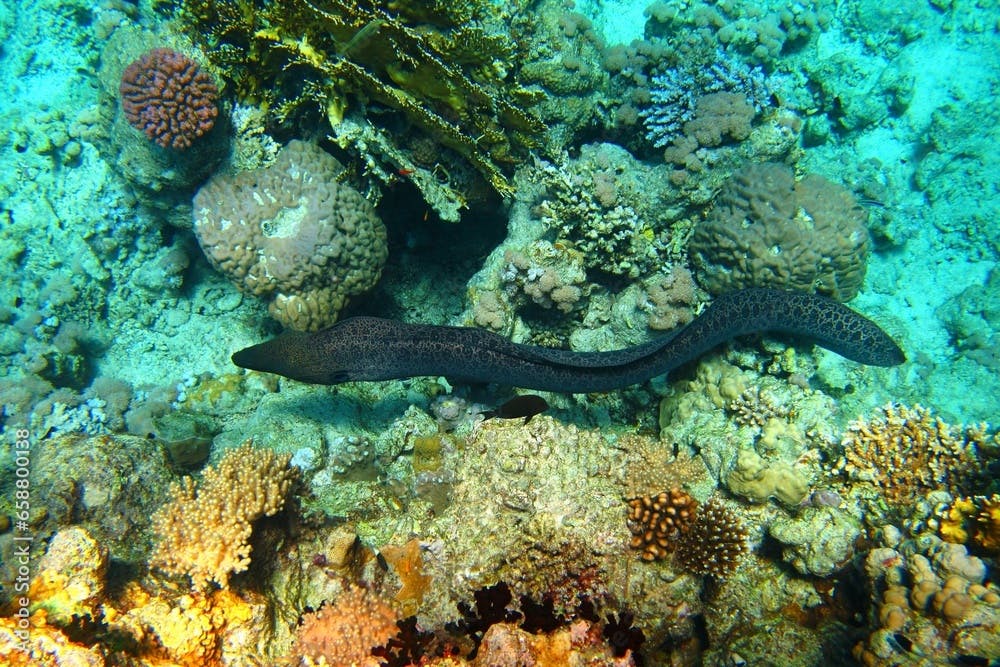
(181, 180)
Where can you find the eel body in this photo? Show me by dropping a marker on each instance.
(368, 348)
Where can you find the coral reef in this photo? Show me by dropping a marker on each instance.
(345, 631)
(166, 96)
(293, 233)
(766, 229)
(307, 61)
(655, 522)
(676, 95)
(907, 452)
(715, 544)
(930, 599)
(204, 529)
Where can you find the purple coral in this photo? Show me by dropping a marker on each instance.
(166, 96)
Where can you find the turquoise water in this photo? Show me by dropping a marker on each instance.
(582, 178)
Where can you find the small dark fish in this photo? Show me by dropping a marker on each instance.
(526, 406)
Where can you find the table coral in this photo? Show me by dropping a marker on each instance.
(204, 528)
(169, 98)
(292, 232)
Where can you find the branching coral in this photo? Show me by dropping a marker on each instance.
(166, 96)
(907, 452)
(715, 544)
(204, 529)
(709, 539)
(972, 520)
(331, 57)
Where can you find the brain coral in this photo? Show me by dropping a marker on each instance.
(766, 229)
(166, 96)
(292, 233)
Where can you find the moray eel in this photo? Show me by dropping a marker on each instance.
(369, 348)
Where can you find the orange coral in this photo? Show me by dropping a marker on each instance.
(205, 528)
(408, 563)
(345, 632)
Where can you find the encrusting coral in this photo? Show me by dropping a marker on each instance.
(204, 529)
(293, 233)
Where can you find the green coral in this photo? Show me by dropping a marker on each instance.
(307, 62)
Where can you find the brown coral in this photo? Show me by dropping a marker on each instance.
(655, 522)
(715, 544)
(346, 631)
(293, 233)
(166, 96)
(766, 229)
(907, 452)
(204, 529)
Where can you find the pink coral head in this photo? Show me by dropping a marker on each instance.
(166, 96)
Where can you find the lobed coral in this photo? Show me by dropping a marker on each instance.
(930, 599)
(169, 98)
(908, 452)
(204, 528)
(293, 233)
(655, 522)
(766, 229)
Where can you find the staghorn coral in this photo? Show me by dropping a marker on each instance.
(166, 96)
(766, 229)
(293, 233)
(334, 58)
(204, 529)
(908, 452)
(655, 522)
(716, 542)
(345, 632)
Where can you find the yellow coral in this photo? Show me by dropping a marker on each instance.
(988, 524)
(32, 642)
(204, 530)
(190, 630)
(907, 452)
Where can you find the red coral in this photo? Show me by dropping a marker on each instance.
(166, 96)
